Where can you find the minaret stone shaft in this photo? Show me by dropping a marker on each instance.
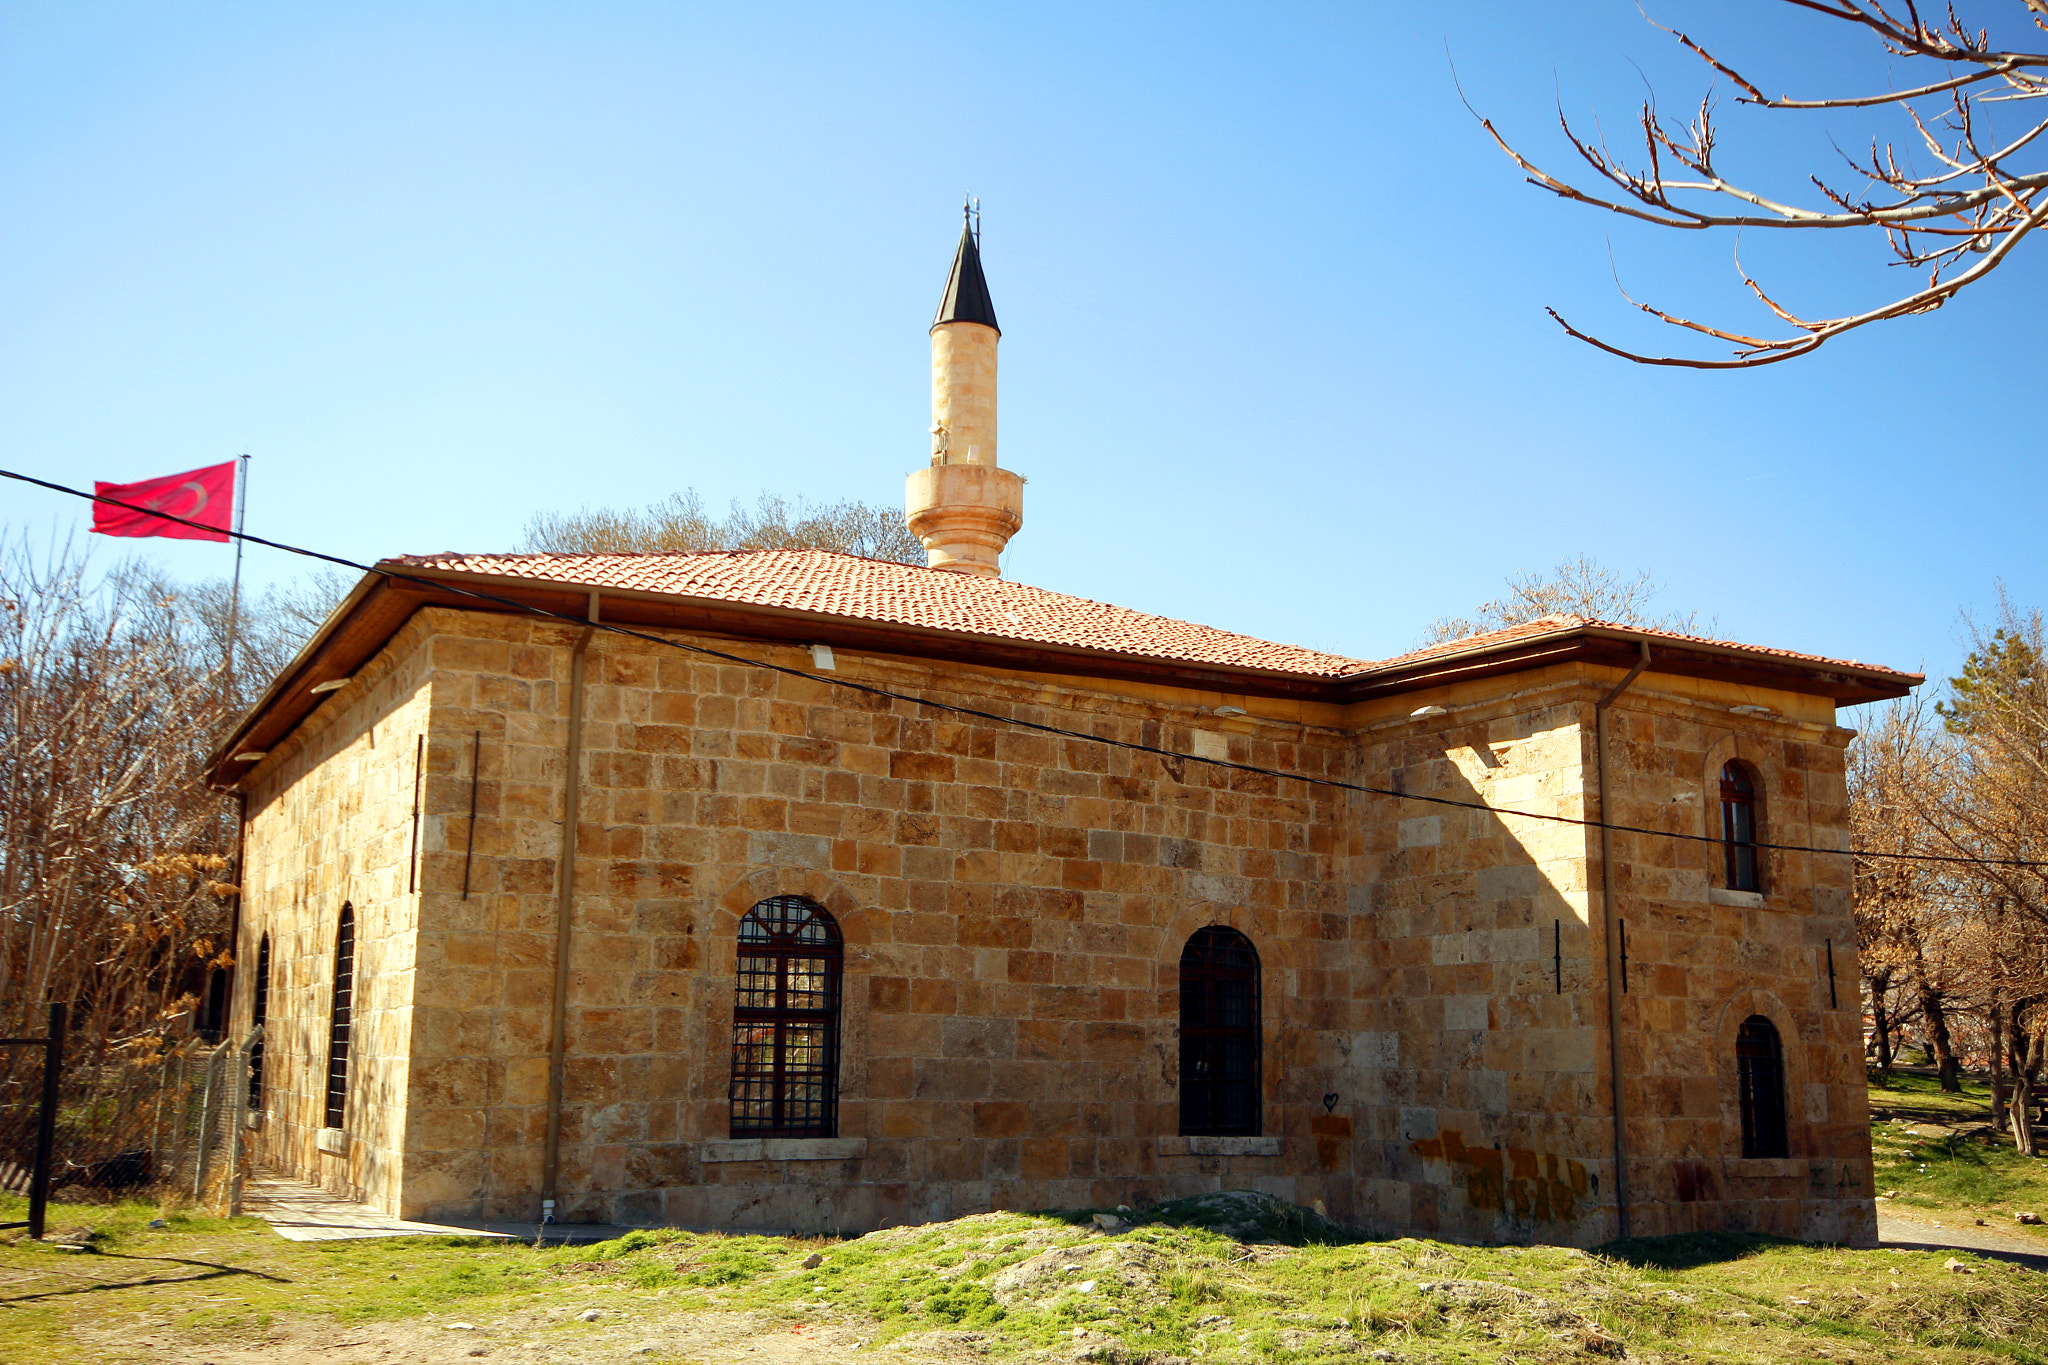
(962, 506)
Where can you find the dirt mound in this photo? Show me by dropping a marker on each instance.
(1250, 1216)
(1087, 1269)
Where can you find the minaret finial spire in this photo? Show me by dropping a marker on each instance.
(964, 506)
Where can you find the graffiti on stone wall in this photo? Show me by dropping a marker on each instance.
(1539, 1187)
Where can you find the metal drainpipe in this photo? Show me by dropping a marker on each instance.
(565, 905)
(1607, 929)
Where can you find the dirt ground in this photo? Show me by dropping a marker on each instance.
(644, 1334)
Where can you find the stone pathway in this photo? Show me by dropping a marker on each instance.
(1903, 1233)
(307, 1213)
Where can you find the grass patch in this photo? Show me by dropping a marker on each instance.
(1020, 1284)
(1203, 1279)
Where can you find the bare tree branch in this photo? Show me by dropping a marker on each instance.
(1980, 203)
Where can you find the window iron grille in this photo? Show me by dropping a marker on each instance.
(259, 1014)
(1738, 827)
(1760, 1075)
(1219, 1035)
(785, 1021)
(342, 1010)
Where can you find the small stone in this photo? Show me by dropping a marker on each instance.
(461, 1327)
(158, 1223)
(478, 1351)
(1955, 1267)
(1382, 1354)
(1980, 1222)
(813, 1261)
(1109, 1222)
(589, 1315)
(2026, 1218)
(1080, 1332)
(1124, 1208)
(1085, 1287)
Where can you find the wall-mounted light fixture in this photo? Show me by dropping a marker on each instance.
(1752, 709)
(331, 685)
(1228, 711)
(822, 660)
(1423, 712)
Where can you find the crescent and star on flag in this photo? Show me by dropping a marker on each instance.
(204, 495)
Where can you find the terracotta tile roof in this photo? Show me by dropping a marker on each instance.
(901, 594)
(1562, 622)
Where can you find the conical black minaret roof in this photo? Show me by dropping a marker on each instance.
(966, 298)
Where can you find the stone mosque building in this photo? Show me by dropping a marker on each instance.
(787, 889)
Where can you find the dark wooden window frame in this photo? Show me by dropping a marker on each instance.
(785, 1022)
(1740, 827)
(1760, 1088)
(340, 1017)
(1221, 1094)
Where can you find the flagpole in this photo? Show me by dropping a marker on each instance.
(235, 591)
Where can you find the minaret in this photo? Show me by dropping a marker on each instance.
(963, 507)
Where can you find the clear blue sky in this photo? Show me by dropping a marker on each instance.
(1274, 351)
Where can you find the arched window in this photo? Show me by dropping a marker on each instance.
(785, 1022)
(1760, 1077)
(1738, 826)
(344, 1005)
(259, 1014)
(1219, 1034)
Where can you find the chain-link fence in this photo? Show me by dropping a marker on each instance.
(165, 1126)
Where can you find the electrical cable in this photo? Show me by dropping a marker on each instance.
(955, 709)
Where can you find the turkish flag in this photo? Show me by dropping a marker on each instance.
(206, 496)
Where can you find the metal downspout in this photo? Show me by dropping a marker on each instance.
(1613, 943)
(565, 905)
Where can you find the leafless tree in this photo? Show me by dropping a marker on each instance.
(1964, 940)
(1903, 907)
(679, 524)
(1576, 587)
(1958, 216)
(114, 854)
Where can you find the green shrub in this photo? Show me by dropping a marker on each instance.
(967, 1305)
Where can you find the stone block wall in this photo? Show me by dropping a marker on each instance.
(330, 823)
(1703, 958)
(1478, 1085)
(1014, 905)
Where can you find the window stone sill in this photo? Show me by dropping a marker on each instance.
(783, 1149)
(1219, 1146)
(1754, 900)
(333, 1141)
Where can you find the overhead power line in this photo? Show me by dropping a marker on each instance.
(955, 709)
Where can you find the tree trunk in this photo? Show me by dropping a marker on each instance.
(1938, 1041)
(2027, 1050)
(1998, 1106)
(1880, 982)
